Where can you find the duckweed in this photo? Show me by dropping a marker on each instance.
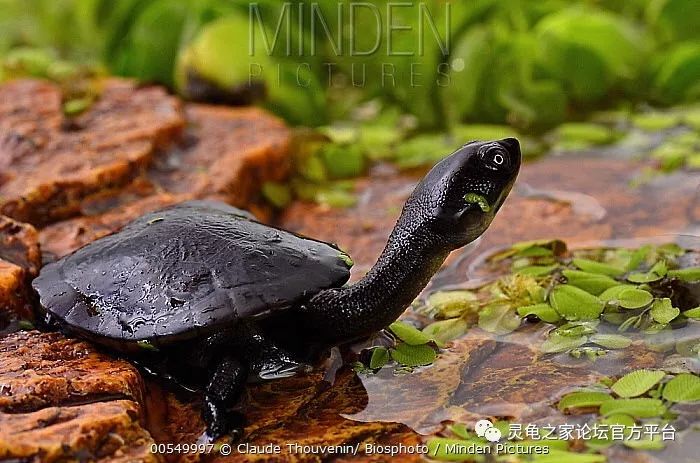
(380, 357)
(583, 399)
(409, 334)
(413, 348)
(573, 303)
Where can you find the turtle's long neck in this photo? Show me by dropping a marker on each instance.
(411, 257)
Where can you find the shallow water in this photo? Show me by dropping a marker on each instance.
(586, 200)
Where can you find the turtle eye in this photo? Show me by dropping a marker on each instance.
(495, 157)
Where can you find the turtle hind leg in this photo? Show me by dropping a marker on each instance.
(225, 387)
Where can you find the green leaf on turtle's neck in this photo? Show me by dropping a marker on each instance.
(475, 198)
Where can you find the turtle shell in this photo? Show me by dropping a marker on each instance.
(184, 272)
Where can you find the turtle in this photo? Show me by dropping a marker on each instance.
(226, 299)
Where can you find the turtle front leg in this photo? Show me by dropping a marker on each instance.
(267, 358)
(226, 384)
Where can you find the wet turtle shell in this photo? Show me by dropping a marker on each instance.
(184, 272)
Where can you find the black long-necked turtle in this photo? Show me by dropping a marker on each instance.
(219, 293)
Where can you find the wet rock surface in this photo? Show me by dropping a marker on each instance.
(304, 410)
(62, 400)
(20, 260)
(49, 163)
(99, 432)
(225, 154)
(42, 369)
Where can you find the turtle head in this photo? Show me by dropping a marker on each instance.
(452, 206)
(460, 196)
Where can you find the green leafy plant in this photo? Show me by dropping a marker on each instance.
(622, 296)
(640, 396)
(413, 348)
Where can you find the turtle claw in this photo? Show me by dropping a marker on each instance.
(221, 424)
(283, 368)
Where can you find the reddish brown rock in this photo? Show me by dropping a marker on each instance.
(49, 163)
(226, 154)
(302, 410)
(20, 260)
(19, 244)
(61, 399)
(66, 236)
(96, 432)
(47, 369)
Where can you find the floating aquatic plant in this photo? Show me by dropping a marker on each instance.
(639, 397)
(630, 290)
(590, 298)
(413, 348)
